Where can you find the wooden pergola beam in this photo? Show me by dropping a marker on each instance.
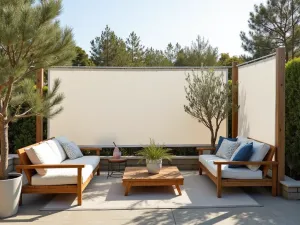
(235, 101)
(280, 112)
(39, 119)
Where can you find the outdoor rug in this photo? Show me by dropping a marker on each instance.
(197, 192)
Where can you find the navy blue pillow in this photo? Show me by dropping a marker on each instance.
(221, 140)
(244, 154)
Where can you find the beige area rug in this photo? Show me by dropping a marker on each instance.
(197, 192)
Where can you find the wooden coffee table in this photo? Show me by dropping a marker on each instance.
(139, 176)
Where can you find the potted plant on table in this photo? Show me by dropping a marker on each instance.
(31, 39)
(154, 154)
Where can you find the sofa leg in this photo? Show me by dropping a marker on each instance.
(200, 171)
(98, 171)
(219, 191)
(79, 198)
(219, 181)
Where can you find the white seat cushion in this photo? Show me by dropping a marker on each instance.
(58, 150)
(67, 176)
(233, 173)
(42, 154)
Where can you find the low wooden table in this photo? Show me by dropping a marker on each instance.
(139, 176)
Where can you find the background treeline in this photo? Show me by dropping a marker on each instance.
(110, 50)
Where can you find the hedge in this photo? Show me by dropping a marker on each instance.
(292, 117)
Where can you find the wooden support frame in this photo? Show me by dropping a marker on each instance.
(39, 119)
(235, 101)
(29, 171)
(280, 113)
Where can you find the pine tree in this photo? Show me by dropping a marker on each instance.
(156, 58)
(198, 54)
(135, 49)
(82, 59)
(108, 49)
(272, 25)
(30, 39)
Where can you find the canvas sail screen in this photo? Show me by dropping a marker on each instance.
(127, 106)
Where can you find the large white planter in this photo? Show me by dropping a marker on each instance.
(154, 166)
(10, 191)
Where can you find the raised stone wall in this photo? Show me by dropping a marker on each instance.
(290, 188)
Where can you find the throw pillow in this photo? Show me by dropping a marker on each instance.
(72, 150)
(260, 150)
(62, 139)
(58, 150)
(42, 154)
(227, 149)
(221, 140)
(242, 153)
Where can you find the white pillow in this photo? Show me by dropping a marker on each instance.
(58, 150)
(62, 139)
(72, 150)
(42, 154)
(260, 150)
(227, 149)
(242, 139)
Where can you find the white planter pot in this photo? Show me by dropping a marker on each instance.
(154, 166)
(10, 191)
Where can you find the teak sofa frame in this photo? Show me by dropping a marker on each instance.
(30, 169)
(225, 182)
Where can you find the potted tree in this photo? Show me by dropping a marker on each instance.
(154, 154)
(30, 39)
(209, 98)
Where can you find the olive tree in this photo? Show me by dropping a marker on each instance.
(209, 100)
(30, 39)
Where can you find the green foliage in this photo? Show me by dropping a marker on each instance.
(227, 60)
(30, 39)
(82, 59)
(109, 50)
(200, 53)
(156, 58)
(272, 25)
(209, 100)
(292, 121)
(154, 152)
(135, 50)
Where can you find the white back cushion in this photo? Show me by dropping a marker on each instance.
(58, 150)
(42, 154)
(260, 150)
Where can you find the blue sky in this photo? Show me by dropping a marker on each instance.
(159, 22)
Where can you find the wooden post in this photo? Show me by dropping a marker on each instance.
(280, 113)
(39, 119)
(235, 102)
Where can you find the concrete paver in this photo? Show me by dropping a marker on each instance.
(275, 211)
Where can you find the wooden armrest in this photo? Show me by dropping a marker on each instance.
(90, 148)
(49, 166)
(201, 149)
(246, 163)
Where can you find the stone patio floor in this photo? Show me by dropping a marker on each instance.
(275, 210)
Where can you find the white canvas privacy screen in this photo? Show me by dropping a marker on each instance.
(257, 100)
(127, 106)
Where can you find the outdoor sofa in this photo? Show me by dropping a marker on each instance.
(217, 169)
(64, 175)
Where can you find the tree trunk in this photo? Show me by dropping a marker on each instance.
(4, 150)
(212, 138)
